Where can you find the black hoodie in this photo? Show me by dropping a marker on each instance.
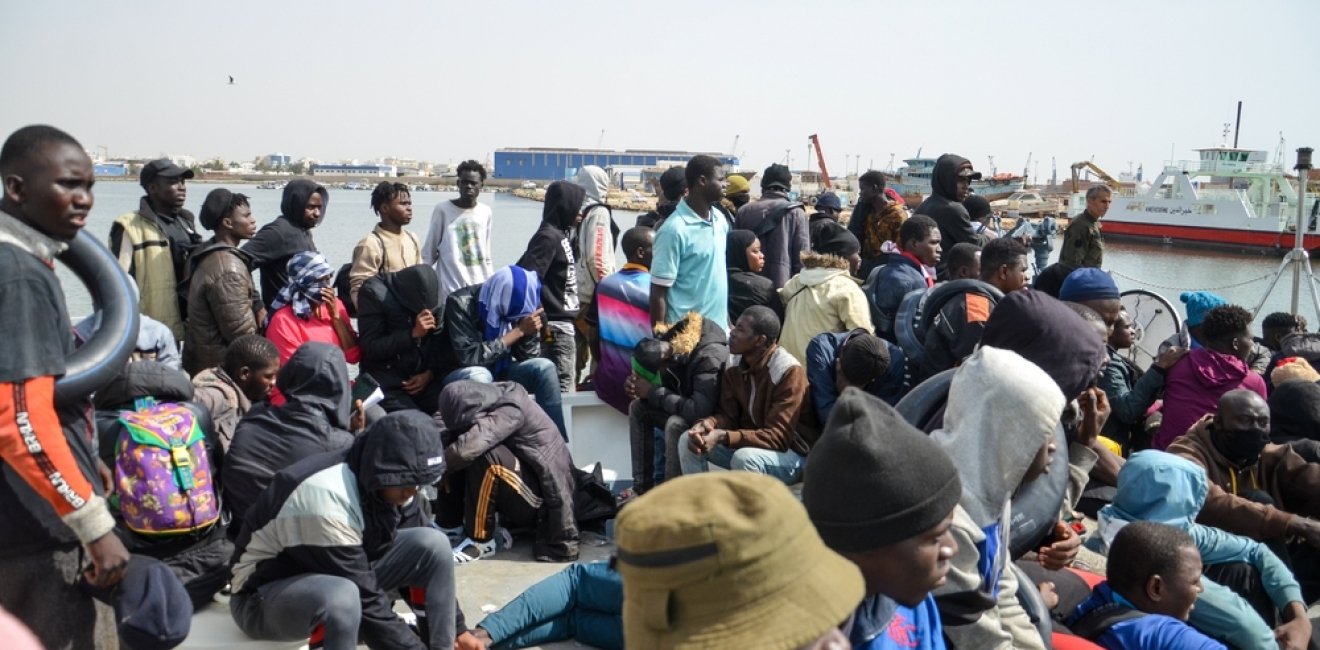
(943, 206)
(550, 253)
(285, 237)
(313, 419)
(387, 306)
(1048, 333)
(691, 380)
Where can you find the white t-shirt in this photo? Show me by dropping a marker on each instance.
(458, 246)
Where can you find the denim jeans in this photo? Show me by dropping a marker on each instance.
(538, 376)
(288, 609)
(582, 602)
(783, 465)
(562, 351)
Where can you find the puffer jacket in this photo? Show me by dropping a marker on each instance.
(1192, 389)
(220, 295)
(824, 297)
(462, 344)
(691, 382)
(885, 288)
(478, 417)
(761, 395)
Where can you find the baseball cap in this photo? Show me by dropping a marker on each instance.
(162, 167)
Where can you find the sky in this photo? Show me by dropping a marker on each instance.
(1118, 82)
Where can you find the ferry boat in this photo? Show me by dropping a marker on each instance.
(912, 181)
(1227, 198)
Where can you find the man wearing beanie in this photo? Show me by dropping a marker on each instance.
(1095, 289)
(901, 542)
(730, 560)
(672, 188)
(736, 195)
(219, 286)
(780, 224)
(1191, 337)
(828, 208)
(824, 297)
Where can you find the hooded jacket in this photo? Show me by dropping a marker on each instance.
(761, 395)
(220, 296)
(322, 515)
(1291, 482)
(886, 287)
(219, 394)
(284, 237)
(550, 253)
(478, 417)
(1049, 334)
(785, 243)
(824, 297)
(993, 448)
(1295, 418)
(313, 419)
(747, 289)
(691, 380)
(462, 343)
(597, 236)
(1193, 387)
(387, 306)
(943, 206)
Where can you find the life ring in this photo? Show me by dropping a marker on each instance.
(103, 356)
(1034, 604)
(947, 291)
(1155, 319)
(1035, 507)
(905, 325)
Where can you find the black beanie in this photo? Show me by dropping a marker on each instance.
(834, 239)
(672, 183)
(873, 479)
(777, 174)
(214, 207)
(863, 355)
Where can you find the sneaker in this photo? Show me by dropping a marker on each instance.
(454, 534)
(471, 551)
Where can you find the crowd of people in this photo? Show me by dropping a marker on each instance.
(946, 419)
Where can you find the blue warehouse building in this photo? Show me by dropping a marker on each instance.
(548, 164)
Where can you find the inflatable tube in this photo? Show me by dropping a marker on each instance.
(905, 326)
(1035, 505)
(942, 294)
(101, 358)
(1034, 604)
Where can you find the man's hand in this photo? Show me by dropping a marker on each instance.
(531, 323)
(417, 383)
(1095, 412)
(1048, 594)
(358, 420)
(703, 443)
(1170, 357)
(1307, 529)
(109, 559)
(470, 641)
(107, 478)
(423, 323)
(1060, 553)
(636, 387)
(1296, 633)
(328, 297)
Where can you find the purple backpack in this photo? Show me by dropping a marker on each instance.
(162, 471)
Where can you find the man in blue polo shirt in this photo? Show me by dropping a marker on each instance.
(687, 269)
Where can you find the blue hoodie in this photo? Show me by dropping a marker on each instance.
(1160, 487)
(1149, 632)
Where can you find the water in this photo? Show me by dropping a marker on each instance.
(1163, 269)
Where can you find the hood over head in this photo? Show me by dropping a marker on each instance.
(1049, 334)
(1295, 411)
(595, 182)
(944, 178)
(1001, 410)
(296, 195)
(735, 253)
(835, 239)
(144, 378)
(1216, 370)
(511, 294)
(315, 380)
(1160, 487)
(416, 288)
(402, 449)
(462, 402)
(563, 203)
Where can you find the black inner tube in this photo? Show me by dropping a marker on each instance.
(101, 358)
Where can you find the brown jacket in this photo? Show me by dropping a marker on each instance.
(218, 394)
(220, 299)
(1290, 481)
(760, 397)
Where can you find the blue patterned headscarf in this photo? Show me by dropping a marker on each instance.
(303, 290)
(511, 294)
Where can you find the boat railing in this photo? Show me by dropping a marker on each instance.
(1224, 168)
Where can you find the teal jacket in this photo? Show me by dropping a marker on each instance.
(1161, 487)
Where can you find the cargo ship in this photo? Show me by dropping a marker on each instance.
(912, 181)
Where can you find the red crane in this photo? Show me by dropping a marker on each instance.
(820, 158)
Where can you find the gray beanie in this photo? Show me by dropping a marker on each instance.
(873, 479)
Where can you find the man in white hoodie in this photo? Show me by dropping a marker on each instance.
(596, 240)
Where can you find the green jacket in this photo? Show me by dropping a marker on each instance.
(1082, 243)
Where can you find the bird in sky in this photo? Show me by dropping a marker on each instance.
(231, 79)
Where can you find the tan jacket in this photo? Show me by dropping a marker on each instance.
(821, 298)
(382, 252)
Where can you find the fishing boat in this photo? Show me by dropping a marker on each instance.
(912, 181)
(1228, 198)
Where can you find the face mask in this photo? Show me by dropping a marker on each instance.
(1242, 447)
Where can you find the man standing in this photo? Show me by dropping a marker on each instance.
(458, 243)
(950, 185)
(1042, 243)
(389, 248)
(1082, 243)
(687, 272)
(220, 289)
(596, 240)
(302, 208)
(780, 224)
(154, 242)
(50, 498)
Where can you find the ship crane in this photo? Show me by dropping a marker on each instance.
(820, 159)
(733, 148)
(1095, 169)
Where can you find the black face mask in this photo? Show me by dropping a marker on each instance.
(1241, 447)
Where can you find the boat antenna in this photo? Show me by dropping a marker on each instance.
(1238, 126)
(1297, 258)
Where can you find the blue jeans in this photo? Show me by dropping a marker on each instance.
(538, 376)
(783, 465)
(581, 602)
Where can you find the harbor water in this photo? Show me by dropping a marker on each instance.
(1163, 269)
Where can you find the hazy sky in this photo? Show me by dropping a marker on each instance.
(444, 81)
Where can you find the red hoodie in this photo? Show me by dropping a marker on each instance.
(1193, 389)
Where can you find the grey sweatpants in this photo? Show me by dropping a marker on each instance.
(288, 609)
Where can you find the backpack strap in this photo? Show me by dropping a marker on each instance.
(1093, 624)
(774, 218)
(614, 227)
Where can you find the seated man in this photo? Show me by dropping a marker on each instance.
(1132, 392)
(901, 542)
(492, 332)
(964, 261)
(910, 270)
(858, 358)
(824, 296)
(675, 382)
(754, 427)
(505, 457)
(1146, 600)
(335, 533)
(956, 329)
(316, 416)
(1095, 289)
(246, 377)
(397, 318)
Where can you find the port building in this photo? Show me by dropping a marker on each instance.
(348, 169)
(551, 164)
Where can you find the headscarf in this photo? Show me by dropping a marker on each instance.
(511, 294)
(735, 254)
(1049, 334)
(303, 290)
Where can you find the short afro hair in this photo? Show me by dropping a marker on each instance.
(873, 178)
(249, 351)
(23, 146)
(698, 167)
(1283, 320)
(385, 192)
(472, 166)
(763, 322)
(1148, 549)
(961, 256)
(1000, 252)
(917, 227)
(1224, 322)
(863, 358)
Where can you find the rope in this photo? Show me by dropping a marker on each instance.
(1172, 288)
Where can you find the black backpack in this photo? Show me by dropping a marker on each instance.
(1093, 624)
(774, 218)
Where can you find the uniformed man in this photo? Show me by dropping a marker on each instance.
(1082, 243)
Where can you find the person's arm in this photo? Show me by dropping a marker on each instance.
(599, 252)
(854, 309)
(666, 256)
(800, 241)
(122, 248)
(489, 429)
(776, 433)
(435, 236)
(380, 627)
(659, 303)
(706, 389)
(231, 303)
(367, 261)
(820, 377)
(1219, 547)
(265, 247)
(348, 339)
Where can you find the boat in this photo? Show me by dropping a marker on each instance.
(912, 181)
(1228, 198)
